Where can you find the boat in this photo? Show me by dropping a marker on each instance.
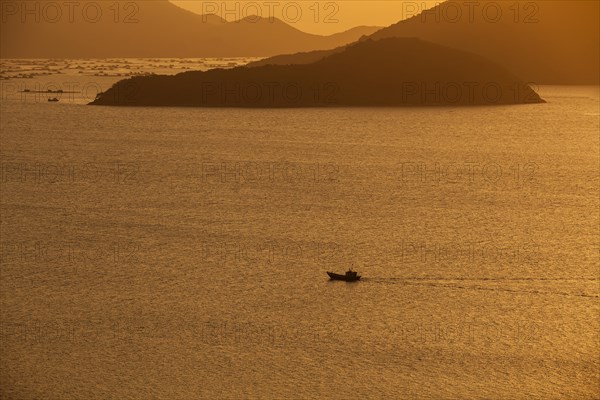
(349, 276)
(53, 100)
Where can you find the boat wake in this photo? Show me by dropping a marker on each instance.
(459, 283)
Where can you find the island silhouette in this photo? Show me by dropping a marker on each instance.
(386, 72)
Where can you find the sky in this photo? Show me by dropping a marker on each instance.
(318, 17)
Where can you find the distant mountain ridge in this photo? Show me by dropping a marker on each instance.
(386, 72)
(152, 29)
(546, 42)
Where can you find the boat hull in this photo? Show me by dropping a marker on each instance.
(338, 277)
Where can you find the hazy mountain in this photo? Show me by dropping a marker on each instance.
(388, 72)
(543, 42)
(154, 28)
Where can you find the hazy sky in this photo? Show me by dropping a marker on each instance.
(322, 17)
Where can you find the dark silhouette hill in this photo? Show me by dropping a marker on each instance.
(149, 29)
(547, 42)
(388, 72)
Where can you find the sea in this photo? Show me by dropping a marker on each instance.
(181, 253)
